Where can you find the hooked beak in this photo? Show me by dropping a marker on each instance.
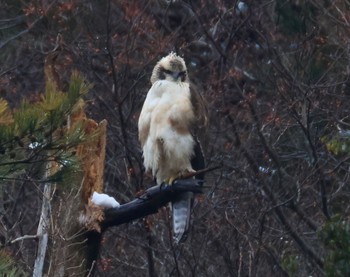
(176, 75)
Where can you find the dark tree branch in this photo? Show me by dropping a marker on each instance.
(150, 202)
(308, 250)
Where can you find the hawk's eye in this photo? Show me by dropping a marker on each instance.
(167, 71)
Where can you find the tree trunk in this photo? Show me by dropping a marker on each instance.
(43, 232)
(72, 248)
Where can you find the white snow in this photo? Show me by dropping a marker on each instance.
(34, 145)
(104, 200)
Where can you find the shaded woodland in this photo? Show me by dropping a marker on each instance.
(275, 76)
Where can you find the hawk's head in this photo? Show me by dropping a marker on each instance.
(171, 68)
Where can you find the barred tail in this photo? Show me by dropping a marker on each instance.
(181, 209)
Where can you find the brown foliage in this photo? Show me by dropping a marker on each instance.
(276, 79)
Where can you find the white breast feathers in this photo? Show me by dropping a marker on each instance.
(168, 148)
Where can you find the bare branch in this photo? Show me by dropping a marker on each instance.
(150, 202)
(24, 238)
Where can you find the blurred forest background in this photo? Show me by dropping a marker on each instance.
(275, 75)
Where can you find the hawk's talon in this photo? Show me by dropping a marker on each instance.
(170, 181)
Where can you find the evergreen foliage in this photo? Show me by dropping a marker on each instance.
(338, 144)
(293, 18)
(275, 75)
(34, 134)
(336, 237)
(8, 266)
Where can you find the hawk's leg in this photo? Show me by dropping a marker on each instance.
(180, 175)
(171, 180)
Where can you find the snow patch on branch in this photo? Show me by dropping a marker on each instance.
(104, 200)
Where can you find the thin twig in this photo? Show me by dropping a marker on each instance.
(198, 172)
(31, 26)
(24, 238)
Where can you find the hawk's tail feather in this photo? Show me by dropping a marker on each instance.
(181, 209)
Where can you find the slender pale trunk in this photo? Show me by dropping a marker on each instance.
(44, 226)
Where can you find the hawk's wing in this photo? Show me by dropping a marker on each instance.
(144, 128)
(182, 205)
(198, 129)
(145, 122)
(201, 112)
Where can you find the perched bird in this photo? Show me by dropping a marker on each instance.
(172, 119)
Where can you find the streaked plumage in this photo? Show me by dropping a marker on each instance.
(169, 122)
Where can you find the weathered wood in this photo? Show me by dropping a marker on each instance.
(74, 249)
(44, 222)
(43, 232)
(92, 154)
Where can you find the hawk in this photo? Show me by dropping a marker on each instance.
(172, 119)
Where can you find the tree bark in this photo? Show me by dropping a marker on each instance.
(73, 249)
(42, 232)
(149, 202)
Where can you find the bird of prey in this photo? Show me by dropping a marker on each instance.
(172, 119)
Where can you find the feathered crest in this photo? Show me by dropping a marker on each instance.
(167, 62)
